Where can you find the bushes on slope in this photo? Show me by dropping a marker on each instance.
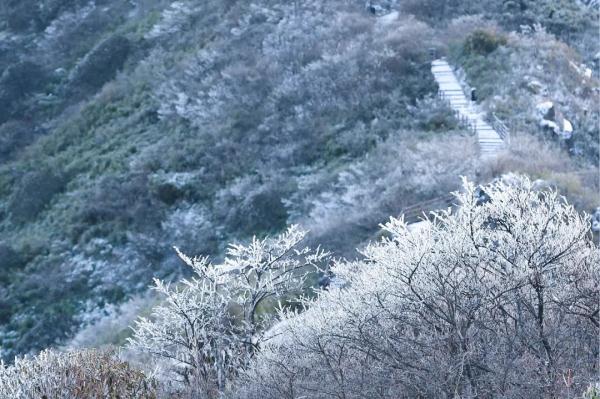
(499, 299)
(99, 66)
(33, 193)
(74, 375)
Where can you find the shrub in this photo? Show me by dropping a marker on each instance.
(209, 326)
(10, 258)
(18, 16)
(593, 392)
(99, 66)
(21, 79)
(497, 299)
(74, 375)
(399, 172)
(190, 228)
(17, 82)
(116, 201)
(14, 135)
(538, 159)
(48, 10)
(9, 261)
(168, 193)
(33, 193)
(483, 42)
(252, 205)
(528, 155)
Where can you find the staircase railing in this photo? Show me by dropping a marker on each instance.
(501, 128)
(462, 119)
(419, 211)
(416, 212)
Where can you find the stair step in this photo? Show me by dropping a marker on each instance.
(489, 138)
(490, 141)
(450, 89)
(487, 133)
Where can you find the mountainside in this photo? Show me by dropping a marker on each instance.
(129, 127)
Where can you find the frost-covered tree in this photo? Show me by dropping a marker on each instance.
(209, 326)
(497, 299)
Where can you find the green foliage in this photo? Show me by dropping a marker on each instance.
(10, 258)
(21, 79)
(482, 42)
(14, 135)
(16, 83)
(99, 66)
(10, 261)
(115, 204)
(33, 193)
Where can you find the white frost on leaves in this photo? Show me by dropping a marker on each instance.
(423, 289)
(211, 324)
(172, 19)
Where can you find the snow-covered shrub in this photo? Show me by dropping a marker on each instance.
(190, 228)
(499, 299)
(63, 25)
(396, 174)
(173, 19)
(303, 71)
(550, 163)
(110, 325)
(210, 325)
(463, 26)
(74, 375)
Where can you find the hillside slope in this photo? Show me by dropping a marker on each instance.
(130, 127)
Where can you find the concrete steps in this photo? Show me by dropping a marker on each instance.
(490, 142)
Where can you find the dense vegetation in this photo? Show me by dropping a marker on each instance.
(497, 298)
(130, 127)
